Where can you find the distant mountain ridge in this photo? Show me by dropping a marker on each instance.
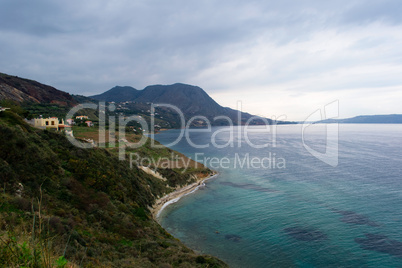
(118, 94)
(367, 119)
(191, 100)
(21, 90)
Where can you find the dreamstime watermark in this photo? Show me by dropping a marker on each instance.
(237, 134)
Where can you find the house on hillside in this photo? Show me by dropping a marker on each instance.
(2, 109)
(70, 122)
(49, 123)
(89, 123)
(81, 117)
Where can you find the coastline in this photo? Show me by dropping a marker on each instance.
(173, 197)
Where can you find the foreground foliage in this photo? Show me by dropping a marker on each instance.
(61, 205)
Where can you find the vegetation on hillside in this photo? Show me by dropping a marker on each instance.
(61, 205)
(21, 90)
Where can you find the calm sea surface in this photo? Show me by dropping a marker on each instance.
(280, 206)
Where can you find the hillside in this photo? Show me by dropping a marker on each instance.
(368, 119)
(191, 100)
(43, 100)
(118, 94)
(60, 203)
(25, 90)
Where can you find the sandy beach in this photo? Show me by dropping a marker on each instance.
(175, 196)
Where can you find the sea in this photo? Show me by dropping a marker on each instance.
(293, 196)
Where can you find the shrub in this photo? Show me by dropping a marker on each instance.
(200, 259)
(22, 203)
(56, 225)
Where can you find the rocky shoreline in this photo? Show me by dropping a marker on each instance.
(175, 196)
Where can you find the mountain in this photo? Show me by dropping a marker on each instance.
(191, 100)
(118, 94)
(368, 119)
(25, 90)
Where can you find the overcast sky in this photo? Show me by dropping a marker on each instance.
(277, 57)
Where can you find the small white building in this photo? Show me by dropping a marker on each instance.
(89, 123)
(70, 122)
(81, 117)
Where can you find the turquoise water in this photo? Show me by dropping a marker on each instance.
(302, 212)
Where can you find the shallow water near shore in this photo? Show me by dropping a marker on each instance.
(298, 211)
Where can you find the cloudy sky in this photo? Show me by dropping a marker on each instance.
(277, 57)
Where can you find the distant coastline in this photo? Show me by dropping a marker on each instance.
(366, 119)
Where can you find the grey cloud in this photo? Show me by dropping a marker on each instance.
(363, 12)
(38, 18)
(90, 46)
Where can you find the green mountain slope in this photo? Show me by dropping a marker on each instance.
(85, 204)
